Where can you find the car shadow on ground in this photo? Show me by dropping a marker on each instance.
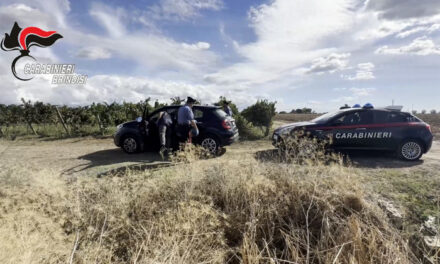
(377, 159)
(359, 159)
(143, 161)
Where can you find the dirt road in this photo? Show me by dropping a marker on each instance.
(88, 156)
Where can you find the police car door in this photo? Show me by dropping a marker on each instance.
(349, 129)
(386, 134)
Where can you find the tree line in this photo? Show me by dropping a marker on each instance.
(304, 110)
(253, 122)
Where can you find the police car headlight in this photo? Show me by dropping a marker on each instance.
(119, 127)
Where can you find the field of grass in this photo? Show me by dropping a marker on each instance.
(206, 211)
(55, 131)
(295, 117)
(248, 206)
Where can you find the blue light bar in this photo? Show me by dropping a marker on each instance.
(368, 105)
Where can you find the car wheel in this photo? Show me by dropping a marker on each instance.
(410, 150)
(281, 145)
(130, 144)
(210, 143)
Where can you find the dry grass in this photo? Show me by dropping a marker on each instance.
(205, 211)
(433, 120)
(295, 117)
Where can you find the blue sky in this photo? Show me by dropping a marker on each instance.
(301, 53)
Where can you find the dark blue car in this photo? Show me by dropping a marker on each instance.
(216, 130)
(385, 129)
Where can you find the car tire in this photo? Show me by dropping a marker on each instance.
(130, 144)
(410, 150)
(281, 145)
(210, 143)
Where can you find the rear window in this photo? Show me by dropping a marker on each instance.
(201, 114)
(198, 114)
(397, 117)
(402, 117)
(393, 117)
(220, 113)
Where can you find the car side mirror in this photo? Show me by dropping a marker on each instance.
(139, 119)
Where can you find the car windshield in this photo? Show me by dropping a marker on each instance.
(325, 117)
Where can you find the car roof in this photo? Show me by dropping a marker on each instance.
(196, 106)
(371, 109)
(177, 106)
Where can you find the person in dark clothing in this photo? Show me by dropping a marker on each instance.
(227, 108)
(164, 123)
(186, 124)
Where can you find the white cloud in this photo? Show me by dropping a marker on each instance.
(370, 25)
(112, 88)
(364, 72)
(49, 15)
(331, 63)
(197, 46)
(25, 16)
(56, 8)
(290, 34)
(355, 94)
(343, 99)
(362, 92)
(183, 9)
(110, 18)
(412, 31)
(420, 46)
(291, 40)
(401, 9)
(151, 50)
(93, 53)
(427, 29)
(367, 66)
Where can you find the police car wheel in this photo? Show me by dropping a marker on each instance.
(210, 144)
(130, 144)
(410, 150)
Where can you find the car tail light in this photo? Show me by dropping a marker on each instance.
(226, 124)
(429, 128)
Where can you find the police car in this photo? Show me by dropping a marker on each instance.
(366, 128)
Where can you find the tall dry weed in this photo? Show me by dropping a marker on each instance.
(224, 210)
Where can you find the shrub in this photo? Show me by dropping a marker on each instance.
(260, 114)
(246, 129)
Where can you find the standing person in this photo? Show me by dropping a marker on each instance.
(186, 124)
(164, 123)
(227, 109)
